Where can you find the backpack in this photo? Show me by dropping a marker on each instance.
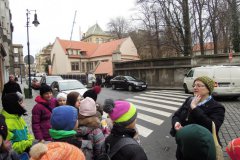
(110, 152)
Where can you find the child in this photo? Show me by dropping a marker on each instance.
(5, 153)
(56, 151)
(61, 99)
(41, 114)
(18, 134)
(73, 99)
(89, 126)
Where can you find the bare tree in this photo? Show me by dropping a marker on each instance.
(118, 26)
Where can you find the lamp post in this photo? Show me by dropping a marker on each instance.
(36, 23)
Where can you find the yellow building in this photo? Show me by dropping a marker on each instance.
(96, 35)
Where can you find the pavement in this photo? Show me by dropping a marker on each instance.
(228, 131)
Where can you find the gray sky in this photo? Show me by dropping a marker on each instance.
(56, 18)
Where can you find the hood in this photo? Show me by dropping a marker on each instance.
(93, 122)
(80, 91)
(59, 134)
(39, 99)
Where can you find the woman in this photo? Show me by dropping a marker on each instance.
(201, 109)
(73, 99)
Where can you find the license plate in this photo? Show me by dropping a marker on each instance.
(144, 86)
(223, 85)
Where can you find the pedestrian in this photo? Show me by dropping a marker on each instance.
(201, 109)
(123, 115)
(6, 153)
(41, 114)
(56, 151)
(233, 149)
(73, 99)
(89, 126)
(11, 86)
(18, 134)
(195, 143)
(61, 99)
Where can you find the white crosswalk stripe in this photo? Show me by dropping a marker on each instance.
(155, 106)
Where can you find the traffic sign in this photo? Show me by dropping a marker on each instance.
(31, 59)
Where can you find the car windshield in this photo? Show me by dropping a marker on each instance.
(70, 85)
(130, 78)
(49, 80)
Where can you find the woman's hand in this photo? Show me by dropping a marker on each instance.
(195, 101)
(177, 126)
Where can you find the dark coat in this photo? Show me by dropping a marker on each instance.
(202, 115)
(41, 114)
(128, 152)
(11, 155)
(11, 87)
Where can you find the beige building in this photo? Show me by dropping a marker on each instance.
(78, 57)
(43, 59)
(96, 35)
(6, 29)
(18, 64)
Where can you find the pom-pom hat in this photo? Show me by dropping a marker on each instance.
(121, 112)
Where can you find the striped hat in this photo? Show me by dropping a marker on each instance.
(121, 112)
(56, 151)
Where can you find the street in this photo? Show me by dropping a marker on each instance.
(155, 108)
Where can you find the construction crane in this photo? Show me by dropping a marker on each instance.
(73, 25)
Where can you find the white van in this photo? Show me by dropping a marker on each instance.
(227, 79)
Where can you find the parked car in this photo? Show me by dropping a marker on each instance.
(128, 82)
(49, 79)
(67, 86)
(227, 79)
(35, 82)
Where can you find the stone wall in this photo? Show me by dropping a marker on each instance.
(169, 72)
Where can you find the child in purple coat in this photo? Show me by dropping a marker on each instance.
(41, 114)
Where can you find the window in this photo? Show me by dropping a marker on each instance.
(83, 67)
(15, 50)
(16, 59)
(97, 40)
(75, 66)
(190, 73)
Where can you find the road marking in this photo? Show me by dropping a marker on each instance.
(164, 94)
(169, 92)
(158, 100)
(173, 91)
(152, 104)
(149, 119)
(143, 131)
(170, 98)
(155, 111)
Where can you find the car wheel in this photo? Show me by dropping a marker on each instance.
(130, 88)
(113, 86)
(185, 88)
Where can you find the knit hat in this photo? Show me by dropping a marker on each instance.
(87, 107)
(56, 151)
(3, 127)
(207, 81)
(11, 104)
(92, 93)
(233, 148)
(44, 89)
(121, 112)
(72, 98)
(62, 95)
(64, 118)
(196, 142)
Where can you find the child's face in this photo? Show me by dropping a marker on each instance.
(47, 96)
(77, 104)
(61, 101)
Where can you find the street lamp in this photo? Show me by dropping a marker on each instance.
(36, 23)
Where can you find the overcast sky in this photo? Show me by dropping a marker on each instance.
(56, 18)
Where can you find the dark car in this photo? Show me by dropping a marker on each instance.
(128, 82)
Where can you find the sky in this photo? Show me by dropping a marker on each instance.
(56, 19)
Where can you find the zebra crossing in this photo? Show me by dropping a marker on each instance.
(154, 107)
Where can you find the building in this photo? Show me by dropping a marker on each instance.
(78, 57)
(208, 49)
(96, 35)
(18, 64)
(43, 59)
(6, 29)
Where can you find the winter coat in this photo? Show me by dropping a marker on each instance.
(18, 132)
(11, 87)
(89, 128)
(128, 152)
(41, 114)
(11, 155)
(202, 115)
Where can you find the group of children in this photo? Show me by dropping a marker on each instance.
(68, 127)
